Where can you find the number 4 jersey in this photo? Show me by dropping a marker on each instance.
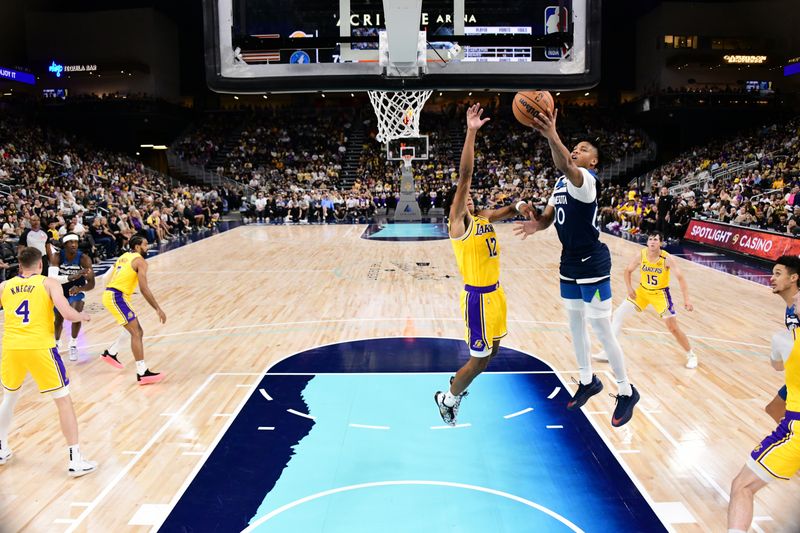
(29, 318)
(584, 259)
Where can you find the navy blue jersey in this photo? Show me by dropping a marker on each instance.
(583, 257)
(68, 268)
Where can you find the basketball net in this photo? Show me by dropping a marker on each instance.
(398, 113)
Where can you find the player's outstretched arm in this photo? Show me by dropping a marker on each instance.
(536, 223)
(57, 295)
(458, 209)
(672, 265)
(545, 123)
(140, 266)
(509, 211)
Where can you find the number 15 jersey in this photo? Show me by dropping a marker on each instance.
(478, 253)
(29, 319)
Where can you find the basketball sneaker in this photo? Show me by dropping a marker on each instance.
(623, 412)
(149, 377)
(584, 392)
(447, 412)
(73, 353)
(691, 361)
(81, 467)
(111, 359)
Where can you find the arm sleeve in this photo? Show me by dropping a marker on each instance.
(586, 193)
(52, 272)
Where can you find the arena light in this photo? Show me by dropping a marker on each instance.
(137, 153)
(145, 146)
(747, 60)
(264, 96)
(235, 97)
(159, 147)
(586, 94)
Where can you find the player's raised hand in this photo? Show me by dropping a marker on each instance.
(474, 120)
(545, 122)
(523, 229)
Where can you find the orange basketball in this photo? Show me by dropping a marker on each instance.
(528, 104)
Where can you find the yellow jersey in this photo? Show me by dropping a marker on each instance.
(478, 253)
(124, 278)
(655, 275)
(792, 368)
(29, 317)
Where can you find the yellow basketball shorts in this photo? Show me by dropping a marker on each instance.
(119, 305)
(44, 364)
(778, 456)
(660, 299)
(484, 312)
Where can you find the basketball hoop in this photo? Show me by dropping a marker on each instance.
(398, 113)
(407, 159)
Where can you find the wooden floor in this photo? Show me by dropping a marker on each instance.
(243, 299)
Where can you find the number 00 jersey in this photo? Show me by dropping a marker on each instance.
(478, 253)
(29, 319)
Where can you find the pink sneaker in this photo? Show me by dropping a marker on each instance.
(111, 359)
(149, 377)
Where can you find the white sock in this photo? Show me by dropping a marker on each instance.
(74, 453)
(114, 348)
(73, 341)
(580, 341)
(141, 367)
(602, 328)
(6, 413)
(449, 399)
(690, 353)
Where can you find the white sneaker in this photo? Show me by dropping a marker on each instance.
(600, 357)
(81, 468)
(5, 455)
(73, 353)
(691, 361)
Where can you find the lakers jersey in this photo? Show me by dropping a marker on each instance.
(29, 318)
(792, 368)
(124, 278)
(478, 253)
(655, 275)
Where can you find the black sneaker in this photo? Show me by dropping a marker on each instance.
(149, 377)
(585, 392)
(111, 359)
(623, 412)
(447, 413)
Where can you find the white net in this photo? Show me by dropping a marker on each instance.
(398, 113)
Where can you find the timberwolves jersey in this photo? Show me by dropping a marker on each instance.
(478, 253)
(69, 268)
(583, 257)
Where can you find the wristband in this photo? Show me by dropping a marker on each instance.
(516, 207)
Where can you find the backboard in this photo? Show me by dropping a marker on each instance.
(416, 147)
(264, 46)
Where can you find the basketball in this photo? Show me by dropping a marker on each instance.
(528, 104)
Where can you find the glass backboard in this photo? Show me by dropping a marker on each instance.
(332, 45)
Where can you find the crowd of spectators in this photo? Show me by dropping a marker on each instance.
(750, 180)
(56, 182)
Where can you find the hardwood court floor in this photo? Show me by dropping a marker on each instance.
(243, 299)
